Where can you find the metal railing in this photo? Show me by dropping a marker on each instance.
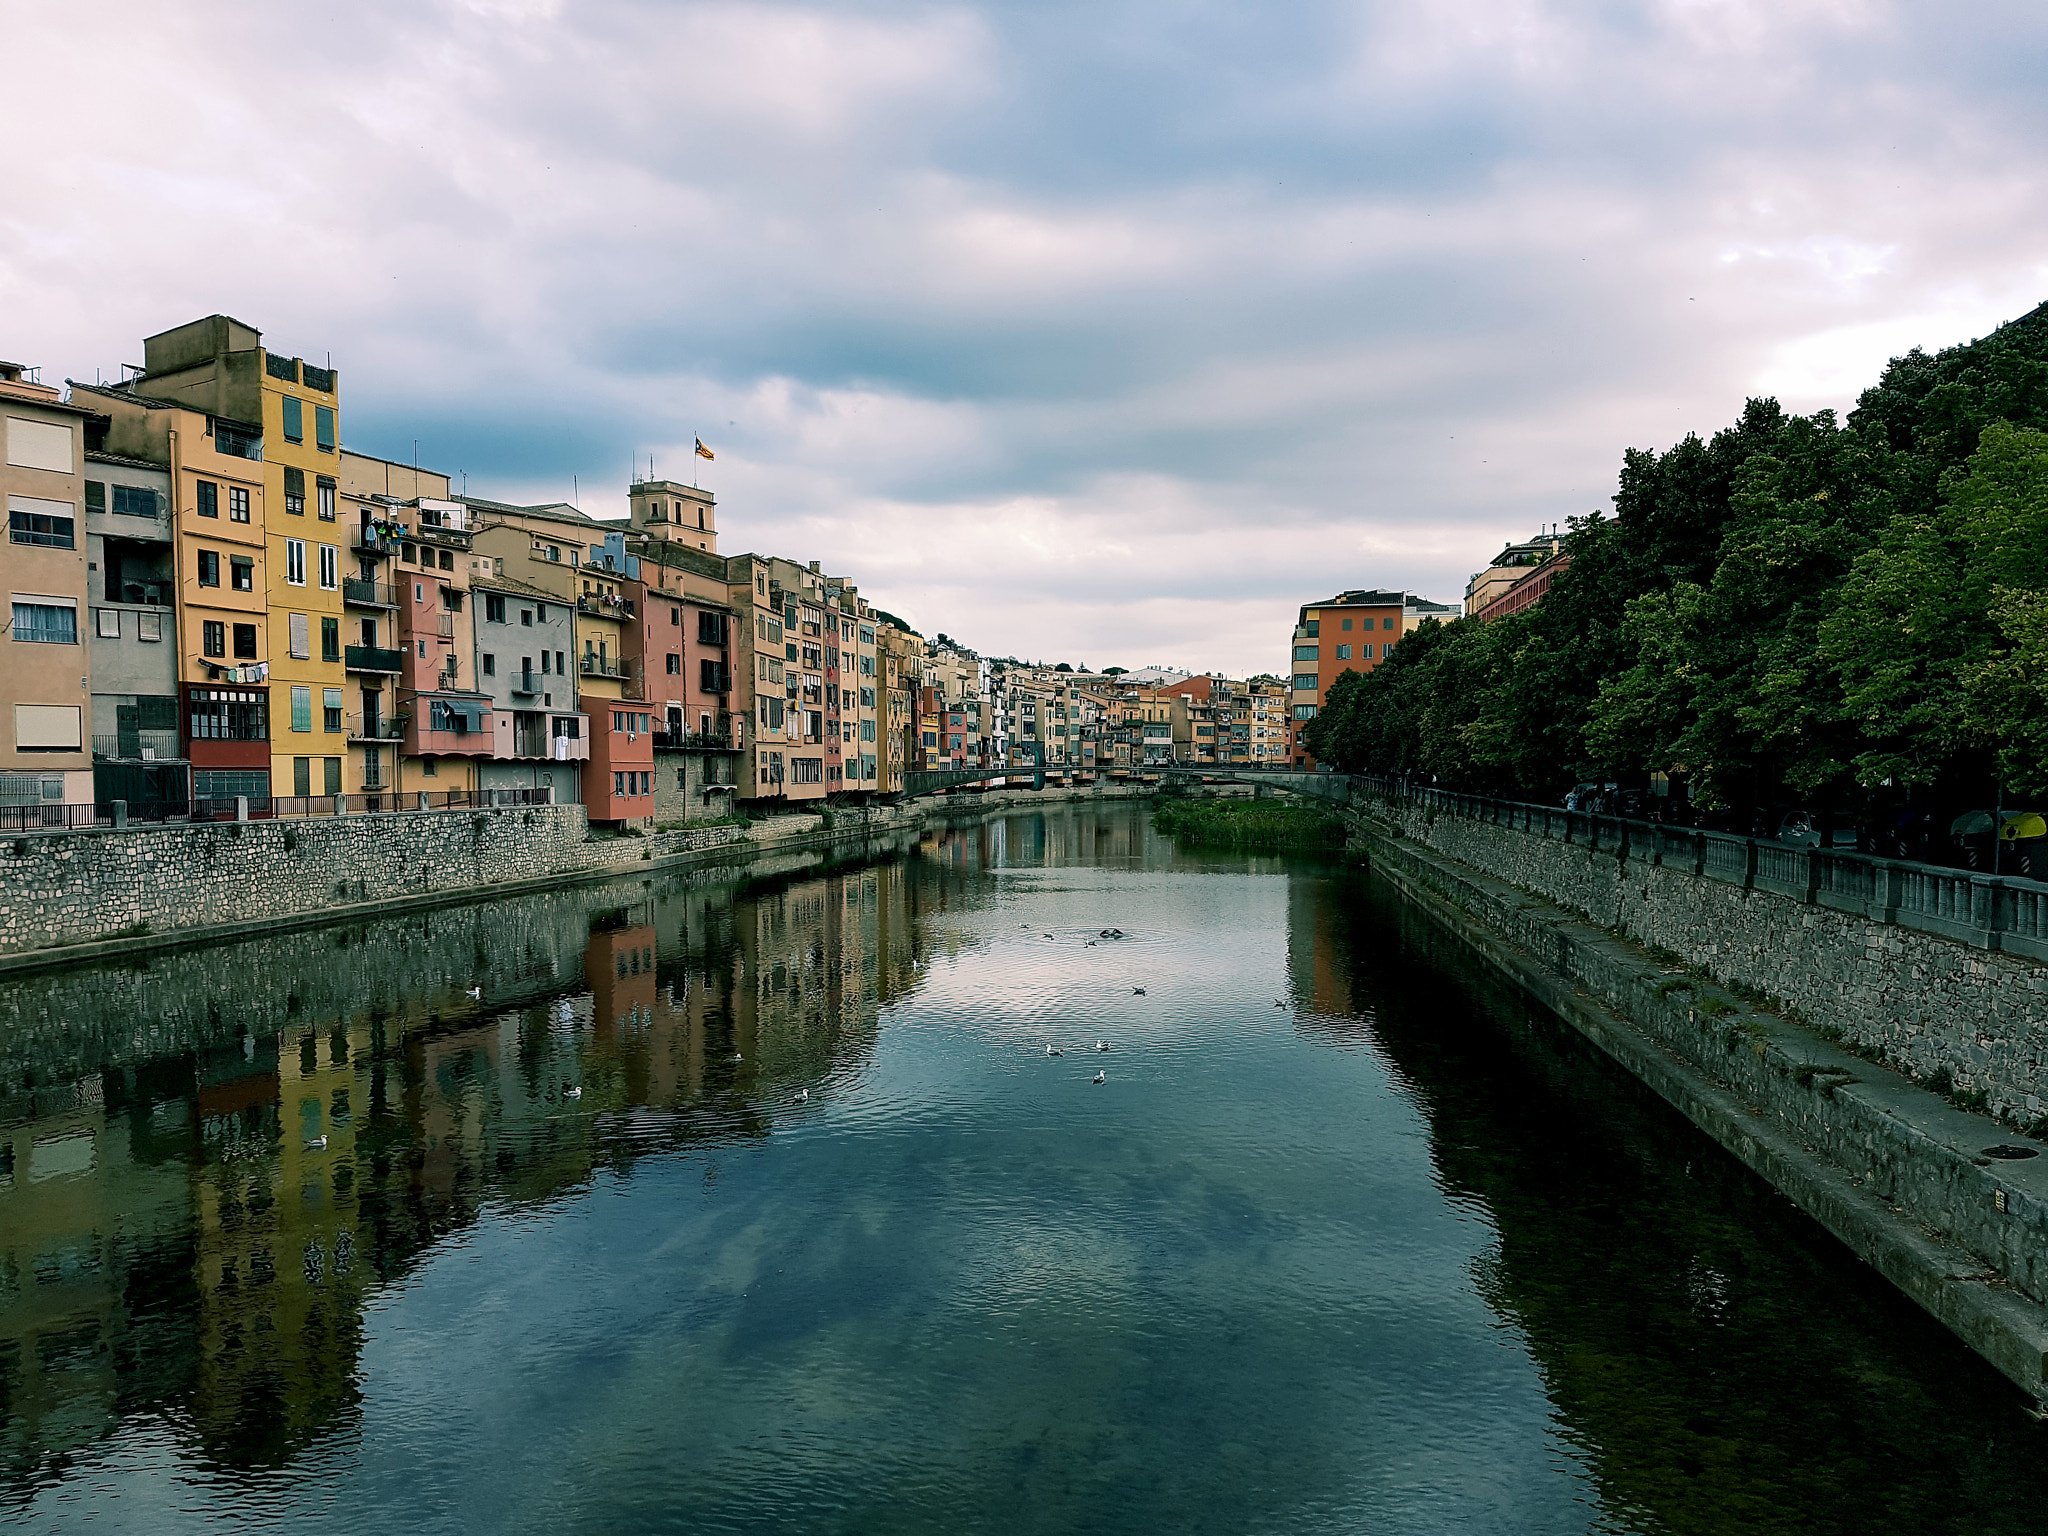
(1987, 911)
(371, 594)
(599, 666)
(365, 727)
(606, 607)
(685, 741)
(372, 658)
(142, 814)
(163, 744)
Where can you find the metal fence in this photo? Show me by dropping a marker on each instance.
(52, 816)
(1988, 911)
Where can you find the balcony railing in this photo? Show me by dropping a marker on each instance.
(366, 727)
(606, 607)
(368, 594)
(526, 684)
(599, 666)
(372, 658)
(160, 745)
(372, 542)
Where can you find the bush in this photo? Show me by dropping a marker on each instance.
(1250, 824)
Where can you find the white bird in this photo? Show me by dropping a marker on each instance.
(1102, 1077)
(803, 1095)
(317, 1144)
(476, 992)
(1102, 1045)
(736, 1056)
(1053, 1050)
(1277, 1003)
(1090, 943)
(573, 1093)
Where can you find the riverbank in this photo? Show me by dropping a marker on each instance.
(107, 893)
(1927, 1193)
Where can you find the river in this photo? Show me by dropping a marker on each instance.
(761, 1206)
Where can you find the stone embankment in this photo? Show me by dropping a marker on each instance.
(1769, 1019)
(66, 896)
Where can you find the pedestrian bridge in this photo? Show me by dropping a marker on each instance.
(1321, 786)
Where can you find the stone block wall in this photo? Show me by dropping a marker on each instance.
(1925, 1004)
(72, 887)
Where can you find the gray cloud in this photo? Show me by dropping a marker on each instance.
(1110, 330)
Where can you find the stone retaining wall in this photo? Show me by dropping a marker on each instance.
(1931, 1006)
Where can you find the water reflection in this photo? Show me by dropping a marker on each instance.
(1398, 1253)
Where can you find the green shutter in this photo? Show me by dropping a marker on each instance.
(302, 708)
(294, 419)
(323, 426)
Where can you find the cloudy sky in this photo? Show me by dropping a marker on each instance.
(1104, 333)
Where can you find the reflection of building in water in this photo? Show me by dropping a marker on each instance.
(205, 1241)
(95, 1220)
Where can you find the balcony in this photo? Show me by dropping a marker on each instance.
(375, 728)
(606, 607)
(376, 541)
(599, 666)
(446, 538)
(526, 684)
(692, 741)
(138, 746)
(372, 658)
(368, 594)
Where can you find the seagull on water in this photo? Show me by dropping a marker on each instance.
(1102, 1077)
(1137, 991)
(572, 1093)
(476, 992)
(1102, 1045)
(317, 1144)
(1279, 1003)
(803, 1095)
(1053, 1050)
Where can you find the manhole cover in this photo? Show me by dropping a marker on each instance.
(2010, 1154)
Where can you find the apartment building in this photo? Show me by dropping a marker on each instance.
(1352, 632)
(220, 595)
(132, 646)
(522, 637)
(47, 758)
(1518, 577)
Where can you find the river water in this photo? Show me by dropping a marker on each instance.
(762, 1207)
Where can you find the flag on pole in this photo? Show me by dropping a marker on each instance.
(703, 452)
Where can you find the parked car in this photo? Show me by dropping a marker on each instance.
(1816, 829)
(2024, 834)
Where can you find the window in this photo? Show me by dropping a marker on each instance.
(228, 714)
(323, 428)
(39, 445)
(330, 639)
(49, 728)
(675, 665)
(1344, 651)
(618, 784)
(295, 492)
(1347, 623)
(47, 524)
(294, 419)
(809, 770)
(245, 642)
(237, 442)
(494, 608)
(1304, 680)
(45, 623)
(526, 617)
(209, 568)
(330, 717)
(302, 711)
(241, 573)
(298, 642)
(133, 501)
(330, 567)
(1304, 653)
(325, 489)
(867, 698)
(1387, 623)
(209, 499)
(238, 504)
(213, 638)
(295, 561)
(490, 665)
(1304, 711)
(331, 773)
(302, 776)
(110, 624)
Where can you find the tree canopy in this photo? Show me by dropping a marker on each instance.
(1797, 608)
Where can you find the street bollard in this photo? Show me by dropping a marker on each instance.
(241, 807)
(120, 813)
